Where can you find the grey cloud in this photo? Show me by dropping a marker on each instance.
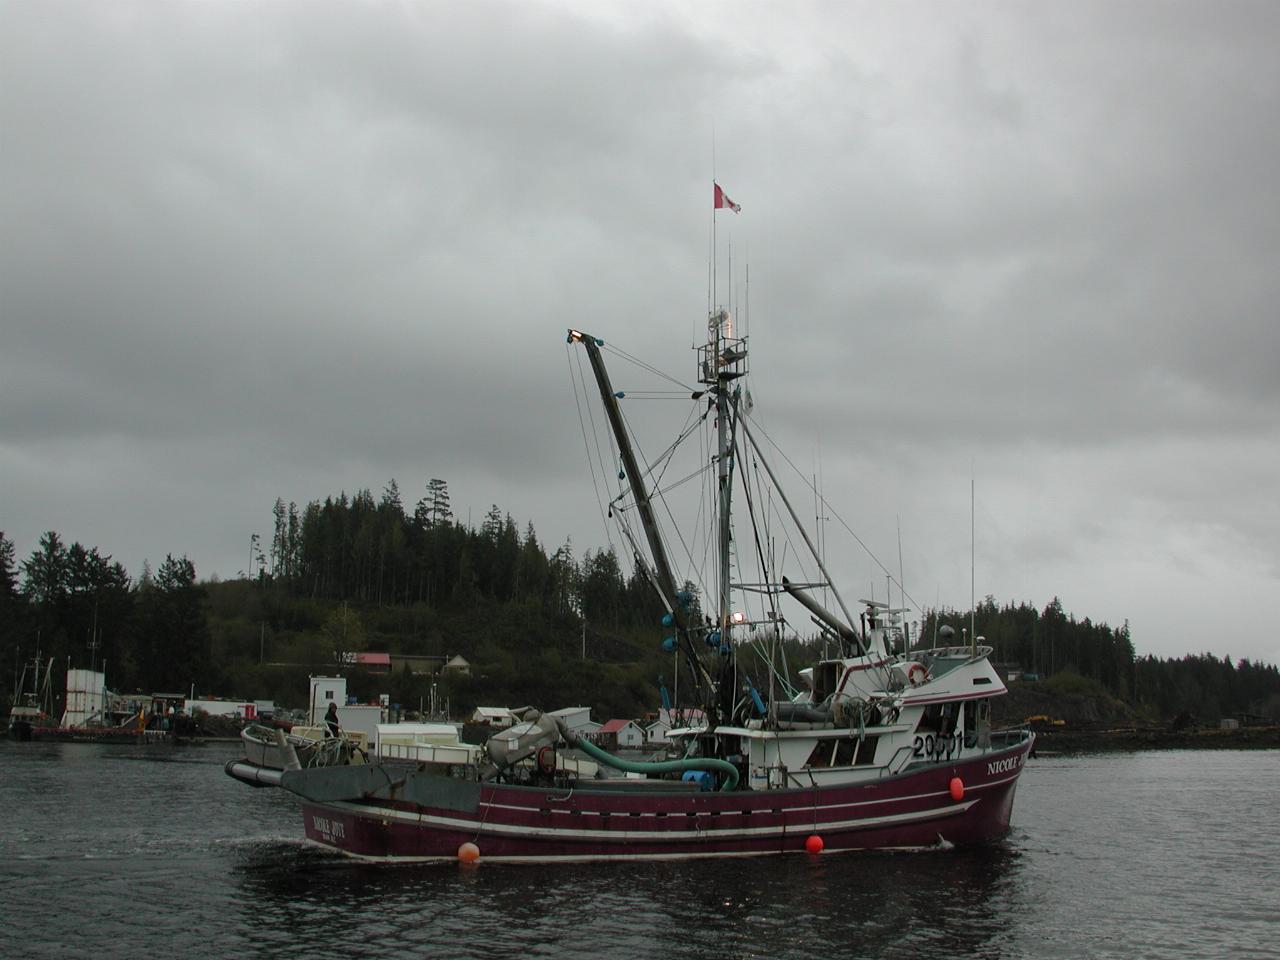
(281, 251)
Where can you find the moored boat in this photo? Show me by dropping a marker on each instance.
(883, 745)
(92, 714)
(32, 700)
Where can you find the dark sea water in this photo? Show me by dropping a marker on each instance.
(112, 851)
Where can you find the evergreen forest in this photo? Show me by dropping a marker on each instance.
(540, 626)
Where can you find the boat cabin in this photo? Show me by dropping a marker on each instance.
(864, 718)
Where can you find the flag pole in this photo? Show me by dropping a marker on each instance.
(711, 260)
(714, 256)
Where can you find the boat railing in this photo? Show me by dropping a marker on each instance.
(437, 753)
(724, 357)
(1004, 739)
(963, 652)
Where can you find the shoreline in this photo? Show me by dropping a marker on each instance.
(1054, 741)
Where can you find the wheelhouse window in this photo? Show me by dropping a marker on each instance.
(931, 719)
(843, 752)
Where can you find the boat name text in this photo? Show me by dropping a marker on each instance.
(1003, 766)
(329, 830)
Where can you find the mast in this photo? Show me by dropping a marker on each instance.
(724, 468)
(722, 360)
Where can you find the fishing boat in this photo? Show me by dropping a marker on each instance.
(91, 714)
(879, 744)
(33, 699)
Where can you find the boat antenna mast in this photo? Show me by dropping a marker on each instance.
(722, 360)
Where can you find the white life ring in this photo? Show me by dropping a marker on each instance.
(916, 674)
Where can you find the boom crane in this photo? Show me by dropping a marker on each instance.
(664, 580)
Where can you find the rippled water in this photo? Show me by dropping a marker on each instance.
(124, 852)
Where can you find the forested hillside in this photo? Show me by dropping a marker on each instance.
(554, 628)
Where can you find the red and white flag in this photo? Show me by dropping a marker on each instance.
(722, 200)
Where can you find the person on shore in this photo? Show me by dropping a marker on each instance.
(331, 720)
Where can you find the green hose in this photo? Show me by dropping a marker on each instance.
(661, 766)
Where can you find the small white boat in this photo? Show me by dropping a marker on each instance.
(275, 748)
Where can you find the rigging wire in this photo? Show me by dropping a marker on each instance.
(656, 471)
(648, 367)
(666, 457)
(835, 513)
(677, 484)
(656, 395)
(693, 570)
(657, 494)
(582, 423)
(772, 513)
(769, 575)
(623, 504)
(755, 639)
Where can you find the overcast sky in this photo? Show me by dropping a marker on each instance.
(251, 250)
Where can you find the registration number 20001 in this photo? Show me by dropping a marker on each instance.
(932, 746)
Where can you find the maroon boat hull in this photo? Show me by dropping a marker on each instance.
(506, 822)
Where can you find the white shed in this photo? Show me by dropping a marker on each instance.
(497, 717)
(323, 691)
(656, 732)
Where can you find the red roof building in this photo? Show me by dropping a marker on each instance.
(374, 662)
(619, 734)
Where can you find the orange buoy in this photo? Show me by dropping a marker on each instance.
(814, 844)
(468, 853)
(957, 789)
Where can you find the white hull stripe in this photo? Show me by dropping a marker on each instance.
(631, 836)
(587, 858)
